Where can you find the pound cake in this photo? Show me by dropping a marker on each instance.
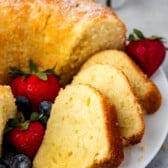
(82, 132)
(7, 109)
(55, 34)
(115, 86)
(146, 91)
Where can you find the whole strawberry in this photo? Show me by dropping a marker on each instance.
(26, 137)
(36, 86)
(148, 53)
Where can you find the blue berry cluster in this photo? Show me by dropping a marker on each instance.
(24, 107)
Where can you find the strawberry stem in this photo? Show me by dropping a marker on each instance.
(25, 125)
(13, 122)
(138, 35)
(35, 116)
(14, 72)
(33, 69)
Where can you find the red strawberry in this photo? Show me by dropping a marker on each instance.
(148, 53)
(36, 86)
(26, 138)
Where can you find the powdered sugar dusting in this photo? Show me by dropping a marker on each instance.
(86, 8)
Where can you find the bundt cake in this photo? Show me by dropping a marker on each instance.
(55, 34)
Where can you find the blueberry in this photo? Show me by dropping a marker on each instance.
(24, 106)
(20, 161)
(44, 120)
(6, 159)
(3, 165)
(45, 108)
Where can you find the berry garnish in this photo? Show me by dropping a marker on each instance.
(44, 111)
(24, 106)
(25, 137)
(3, 165)
(20, 161)
(36, 86)
(45, 107)
(44, 119)
(147, 52)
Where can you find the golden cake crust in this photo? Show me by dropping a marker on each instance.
(115, 86)
(146, 91)
(55, 33)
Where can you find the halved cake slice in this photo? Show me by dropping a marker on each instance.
(146, 91)
(81, 132)
(7, 109)
(114, 85)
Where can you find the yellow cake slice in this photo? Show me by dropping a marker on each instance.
(7, 109)
(81, 132)
(114, 85)
(146, 91)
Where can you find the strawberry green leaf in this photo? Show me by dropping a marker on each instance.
(52, 72)
(32, 66)
(14, 122)
(131, 37)
(33, 69)
(14, 72)
(25, 125)
(11, 123)
(138, 34)
(34, 116)
(42, 75)
(154, 37)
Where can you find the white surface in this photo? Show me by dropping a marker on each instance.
(155, 131)
(150, 16)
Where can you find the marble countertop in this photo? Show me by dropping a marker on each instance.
(149, 16)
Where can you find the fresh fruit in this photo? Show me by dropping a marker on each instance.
(34, 85)
(3, 165)
(15, 161)
(26, 137)
(147, 52)
(20, 161)
(44, 111)
(24, 106)
(45, 107)
(6, 159)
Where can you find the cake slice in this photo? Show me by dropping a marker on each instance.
(114, 85)
(146, 91)
(7, 109)
(81, 132)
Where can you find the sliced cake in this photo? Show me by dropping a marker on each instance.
(114, 85)
(7, 109)
(82, 132)
(146, 91)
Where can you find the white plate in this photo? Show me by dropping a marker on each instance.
(140, 155)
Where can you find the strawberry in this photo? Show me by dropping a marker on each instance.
(25, 137)
(148, 53)
(36, 86)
